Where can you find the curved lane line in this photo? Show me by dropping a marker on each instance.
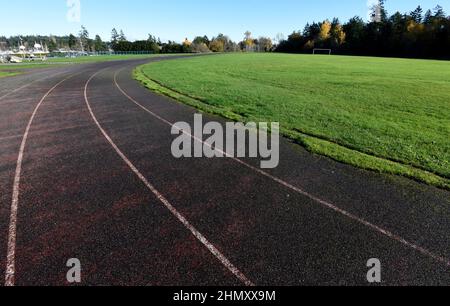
(324, 203)
(164, 201)
(11, 251)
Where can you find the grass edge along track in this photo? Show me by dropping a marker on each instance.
(317, 145)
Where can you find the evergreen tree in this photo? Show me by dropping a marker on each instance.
(114, 36)
(439, 12)
(99, 45)
(122, 36)
(417, 14)
(428, 18)
(72, 42)
(84, 38)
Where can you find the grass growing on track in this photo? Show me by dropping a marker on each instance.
(6, 74)
(386, 115)
(100, 58)
(22, 67)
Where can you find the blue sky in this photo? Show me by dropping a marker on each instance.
(177, 19)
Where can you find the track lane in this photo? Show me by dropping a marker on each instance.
(18, 103)
(12, 235)
(16, 108)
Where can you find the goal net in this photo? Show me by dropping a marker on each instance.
(322, 51)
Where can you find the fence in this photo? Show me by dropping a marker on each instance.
(100, 53)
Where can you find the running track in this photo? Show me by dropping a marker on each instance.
(86, 172)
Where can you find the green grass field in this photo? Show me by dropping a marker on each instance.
(386, 115)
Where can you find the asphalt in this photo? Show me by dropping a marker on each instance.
(310, 221)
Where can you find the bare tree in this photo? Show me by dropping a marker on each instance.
(279, 38)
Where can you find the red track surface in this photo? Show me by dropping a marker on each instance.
(97, 182)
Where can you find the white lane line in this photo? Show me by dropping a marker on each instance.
(29, 84)
(11, 251)
(324, 203)
(232, 268)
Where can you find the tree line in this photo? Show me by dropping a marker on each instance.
(81, 42)
(414, 34)
(200, 44)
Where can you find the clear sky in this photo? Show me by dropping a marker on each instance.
(177, 19)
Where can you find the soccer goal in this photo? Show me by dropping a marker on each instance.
(322, 51)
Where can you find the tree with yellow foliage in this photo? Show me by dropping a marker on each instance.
(414, 30)
(325, 30)
(217, 45)
(337, 33)
(187, 43)
(249, 42)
